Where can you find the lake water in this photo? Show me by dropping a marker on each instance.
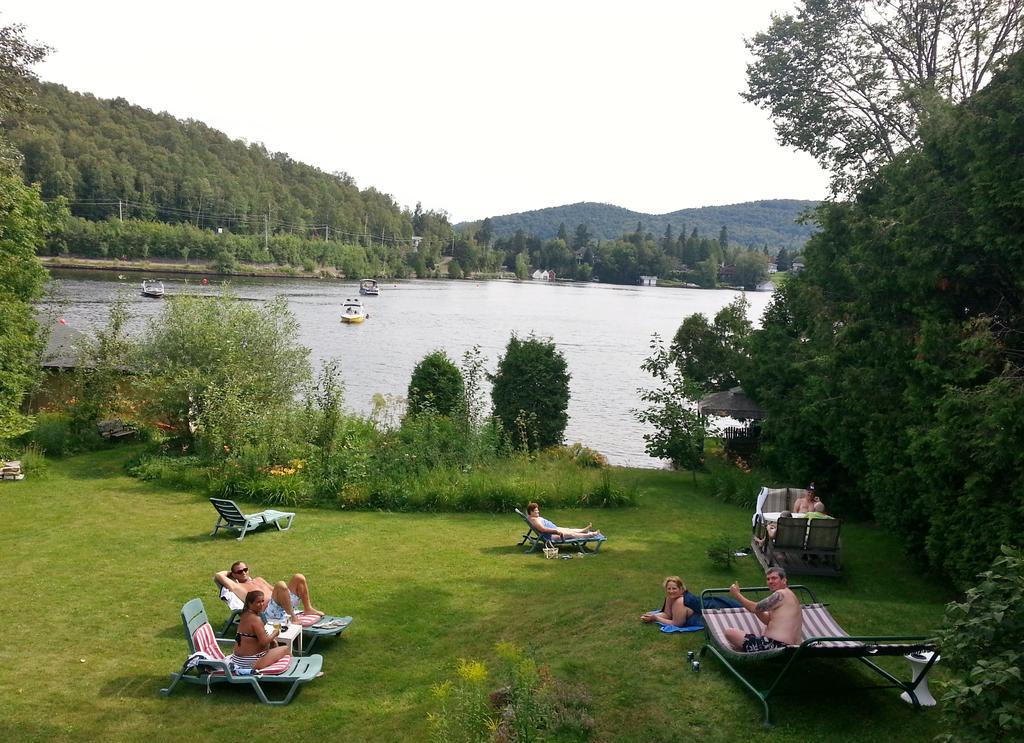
(603, 330)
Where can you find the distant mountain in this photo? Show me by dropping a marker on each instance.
(753, 223)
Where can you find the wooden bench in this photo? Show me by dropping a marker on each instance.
(115, 429)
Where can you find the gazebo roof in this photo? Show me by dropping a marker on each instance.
(732, 403)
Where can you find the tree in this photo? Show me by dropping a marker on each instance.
(672, 409)
(751, 269)
(522, 266)
(850, 81)
(782, 261)
(581, 239)
(24, 222)
(222, 371)
(711, 355)
(530, 390)
(723, 238)
(437, 384)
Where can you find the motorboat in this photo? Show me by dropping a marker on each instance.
(369, 287)
(352, 311)
(153, 288)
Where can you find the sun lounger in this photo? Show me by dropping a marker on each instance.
(314, 626)
(822, 638)
(229, 516)
(207, 665)
(538, 540)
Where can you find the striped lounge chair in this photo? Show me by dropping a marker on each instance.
(822, 638)
(207, 664)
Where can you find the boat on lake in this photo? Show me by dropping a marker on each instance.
(352, 311)
(153, 288)
(369, 287)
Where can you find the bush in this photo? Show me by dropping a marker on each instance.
(436, 383)
(184, 473)
(531, 392)
(524, 702)
(720, 552)
(53, 435)
(733, 484)
(983, 645)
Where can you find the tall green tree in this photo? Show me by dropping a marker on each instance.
(711, 355)
(679, 429)
(530, 390)
(850, 81)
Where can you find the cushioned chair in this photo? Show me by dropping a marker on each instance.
(207, 665)
(229, 516)
(540, 540)
(822, 638)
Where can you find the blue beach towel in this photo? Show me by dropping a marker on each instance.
(693, 624)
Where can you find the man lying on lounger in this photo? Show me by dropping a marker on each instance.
(543, 526)
(286, 599)
(780, 612)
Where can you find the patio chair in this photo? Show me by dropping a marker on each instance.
(822, 638)
(207, 664)
(539, 540)
(314, 626)
(229, 516)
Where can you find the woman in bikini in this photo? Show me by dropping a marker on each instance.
(674, 612)
(543, 526)
(254, 648)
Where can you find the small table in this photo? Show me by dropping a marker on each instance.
(288, 634)
(918, 662)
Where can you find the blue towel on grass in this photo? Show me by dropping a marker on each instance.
(693, 624)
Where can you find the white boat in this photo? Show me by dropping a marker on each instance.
(369, 287)
(352, 311)
(153, 288)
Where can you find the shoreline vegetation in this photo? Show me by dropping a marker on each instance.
(173, 267)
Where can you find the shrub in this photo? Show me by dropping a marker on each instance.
(185, 473)
(436, 383)
(530, 704)
(733, 484)
(720, 552)
(52, 434)
(531, 392)
(983, 645)
(33, 461)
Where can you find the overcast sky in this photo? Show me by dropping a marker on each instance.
(472, 107)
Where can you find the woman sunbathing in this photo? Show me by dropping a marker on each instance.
(674, 611)
(543, 526)
(254, 648)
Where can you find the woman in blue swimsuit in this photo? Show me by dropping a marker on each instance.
(543, 526)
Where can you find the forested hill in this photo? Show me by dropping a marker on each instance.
(98, 153)
(751, 224)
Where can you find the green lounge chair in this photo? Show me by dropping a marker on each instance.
(213, 667)
(229, 516)
(313, 625)
(539, 540)
(822, 638)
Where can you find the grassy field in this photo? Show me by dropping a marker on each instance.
(100, 565)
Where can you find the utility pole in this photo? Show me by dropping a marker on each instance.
(120, 214)
(366, 221)
(382, 237)
(266, 230)
(327, 232)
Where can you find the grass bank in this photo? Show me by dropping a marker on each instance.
(102, 563)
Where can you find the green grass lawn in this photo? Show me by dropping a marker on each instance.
(100, 565)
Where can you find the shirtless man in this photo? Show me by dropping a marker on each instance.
(809, 503)
(286, 598)
(780, 612)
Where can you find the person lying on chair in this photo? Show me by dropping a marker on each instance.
(780, 612)
(547, 528)
(254, 648)
(286, 599)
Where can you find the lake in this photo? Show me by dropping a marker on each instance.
(603, 330)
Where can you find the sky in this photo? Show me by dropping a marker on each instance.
(471, 107)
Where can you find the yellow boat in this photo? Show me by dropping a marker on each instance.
(352, 311)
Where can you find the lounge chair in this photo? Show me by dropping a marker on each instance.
(822, 638)
(212, 666)
(314, 626)
(801, 545)
(539, 540)
(229, 516)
